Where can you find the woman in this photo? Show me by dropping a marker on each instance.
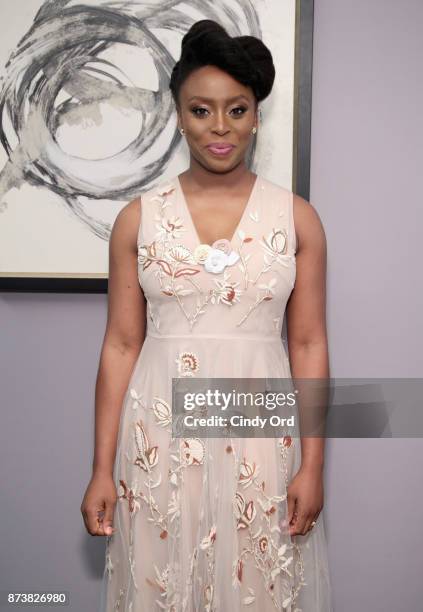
(201, 269)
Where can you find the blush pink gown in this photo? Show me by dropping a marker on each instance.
(198, 520)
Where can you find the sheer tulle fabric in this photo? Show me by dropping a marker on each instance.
(199, 522)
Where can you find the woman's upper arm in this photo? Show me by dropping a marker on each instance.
(126, 302)
(306, 309)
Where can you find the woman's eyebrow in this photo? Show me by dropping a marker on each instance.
(212, 99)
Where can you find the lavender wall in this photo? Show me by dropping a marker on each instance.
(366, 147)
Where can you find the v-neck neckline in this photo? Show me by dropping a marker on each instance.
(240, 222)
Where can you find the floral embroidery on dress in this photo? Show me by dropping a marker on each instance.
(146, 255)
(247, 473)
(160, 408)
(270, 557)
(285, 444)
(245, 512)
(137, 397)
(147, 457)
(226, 292)
(276, 245)
(162, 412)
(208, 595)
(254, 216)
(208, 539)
(207, 545)
(176, 265)
(160, 582)
(152, 316)
(267, 292)
(131, 494)
(187, 364)
(192, 451)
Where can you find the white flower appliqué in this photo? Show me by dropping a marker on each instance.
(216, 257)
(217, 260)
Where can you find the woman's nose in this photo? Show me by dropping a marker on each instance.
(220, 124)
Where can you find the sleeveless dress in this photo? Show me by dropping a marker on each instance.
(199, 521)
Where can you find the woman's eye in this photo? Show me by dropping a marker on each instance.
(198, 108)
(242, 110)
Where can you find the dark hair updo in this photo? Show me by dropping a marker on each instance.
(245, 58)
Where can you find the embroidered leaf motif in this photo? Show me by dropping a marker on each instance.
(184, 292)
(209, 539)
(165, 190)
(164, 266)
(136, 397)
(162, 412)
(186, 271)
(156, 484)
(249, 599)
(146, 457)
(239, 570)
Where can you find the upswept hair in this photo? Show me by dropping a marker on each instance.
(245, 58)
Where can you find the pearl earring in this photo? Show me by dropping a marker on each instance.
(182, 131)
(254, 130)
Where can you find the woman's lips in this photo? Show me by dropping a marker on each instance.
(220, 150)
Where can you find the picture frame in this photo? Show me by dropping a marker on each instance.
(17, 243)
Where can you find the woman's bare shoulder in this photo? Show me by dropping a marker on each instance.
(126, 225)
(131, 208)
(308, 224)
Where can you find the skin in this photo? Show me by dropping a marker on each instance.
(216, 190)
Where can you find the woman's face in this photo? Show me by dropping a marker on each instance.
(215, 109)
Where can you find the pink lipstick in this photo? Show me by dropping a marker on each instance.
(220, 148)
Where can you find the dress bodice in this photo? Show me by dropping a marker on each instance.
(231, 288)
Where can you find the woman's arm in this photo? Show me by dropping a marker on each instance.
(307, 340)
(123, 339)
